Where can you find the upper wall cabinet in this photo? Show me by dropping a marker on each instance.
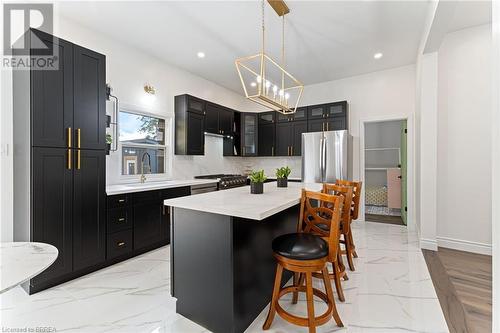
(69, 103)
(327, 117)
(267, 131)
(337, 109)
(89, 99)
(249, 134)
(189, 125)
(300, 114)
(218, 119)
(51, 97)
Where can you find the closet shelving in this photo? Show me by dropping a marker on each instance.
(384, 168)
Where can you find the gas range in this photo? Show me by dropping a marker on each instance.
(226, 181)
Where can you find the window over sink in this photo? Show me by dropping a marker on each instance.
(144, 143)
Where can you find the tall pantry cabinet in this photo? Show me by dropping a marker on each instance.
(59, 159)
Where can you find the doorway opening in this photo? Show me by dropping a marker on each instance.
(386, 172)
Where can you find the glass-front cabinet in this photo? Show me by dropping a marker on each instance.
(249, 134)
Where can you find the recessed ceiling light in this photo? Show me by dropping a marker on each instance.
(201, 54)
(378, 55)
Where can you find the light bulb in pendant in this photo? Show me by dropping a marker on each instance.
(268, 84)
(259, 79)
(275, 90)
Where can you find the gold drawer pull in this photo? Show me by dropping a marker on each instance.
(69, 159)
(69, 133)
(78, 135)
(121, 200)
(121, 219)
(120, 244)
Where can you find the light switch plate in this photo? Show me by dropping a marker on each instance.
(4, 149)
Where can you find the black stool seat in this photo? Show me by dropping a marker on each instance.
(300, 246)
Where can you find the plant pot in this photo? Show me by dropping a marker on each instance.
(256, 188)
(282, 182)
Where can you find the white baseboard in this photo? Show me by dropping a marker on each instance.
(464, 245)
(428, 244)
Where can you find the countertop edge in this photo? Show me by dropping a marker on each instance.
(116, 189)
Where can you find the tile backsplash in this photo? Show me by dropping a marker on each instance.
(186, 167)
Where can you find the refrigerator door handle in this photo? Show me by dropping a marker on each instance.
(325, 152)
(321, 159)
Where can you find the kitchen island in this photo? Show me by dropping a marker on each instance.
(222, 267)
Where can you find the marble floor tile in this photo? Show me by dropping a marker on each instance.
(390, 291)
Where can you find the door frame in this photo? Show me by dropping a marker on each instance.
(410, 162)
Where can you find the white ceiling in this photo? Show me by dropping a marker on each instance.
(325, 40)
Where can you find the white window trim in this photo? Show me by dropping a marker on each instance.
(167, 146)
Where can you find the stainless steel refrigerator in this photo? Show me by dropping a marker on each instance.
(326, 156)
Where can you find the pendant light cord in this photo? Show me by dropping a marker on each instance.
(283, 42)
(263, 28)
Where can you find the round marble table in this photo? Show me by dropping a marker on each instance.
(21, 261)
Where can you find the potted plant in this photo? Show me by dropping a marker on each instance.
(282, 176)
(109, 141)
(257, 179)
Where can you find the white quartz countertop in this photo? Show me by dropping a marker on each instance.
(20, 261)
(152, 185)
(240, 202)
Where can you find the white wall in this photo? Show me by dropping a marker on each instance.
(427, 133)
(464, 140)
(495, 183)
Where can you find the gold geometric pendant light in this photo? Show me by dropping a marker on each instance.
(265, 81)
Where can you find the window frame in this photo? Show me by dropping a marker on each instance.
(166, 146)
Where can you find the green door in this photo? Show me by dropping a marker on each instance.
(404, 207)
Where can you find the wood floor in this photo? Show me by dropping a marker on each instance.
(390, 219)
(463, 283)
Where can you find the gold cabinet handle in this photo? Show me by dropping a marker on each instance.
(121, 219)
(291, 150)
(323, 127)
(327, 125)
(120, 243)
(121, 200)
(78, 159)
(78, 135)
(272, 151)
(69, 159)
(68, 134)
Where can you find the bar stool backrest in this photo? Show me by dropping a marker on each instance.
(356, 195)
(327, 213)
(346, 192)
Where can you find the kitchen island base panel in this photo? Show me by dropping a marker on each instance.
(233, 259)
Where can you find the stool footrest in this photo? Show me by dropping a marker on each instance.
(302, 321)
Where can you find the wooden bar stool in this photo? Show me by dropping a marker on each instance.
(354, 206)
(346, 193)
(304, 253)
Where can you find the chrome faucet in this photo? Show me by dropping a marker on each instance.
(143, 177)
